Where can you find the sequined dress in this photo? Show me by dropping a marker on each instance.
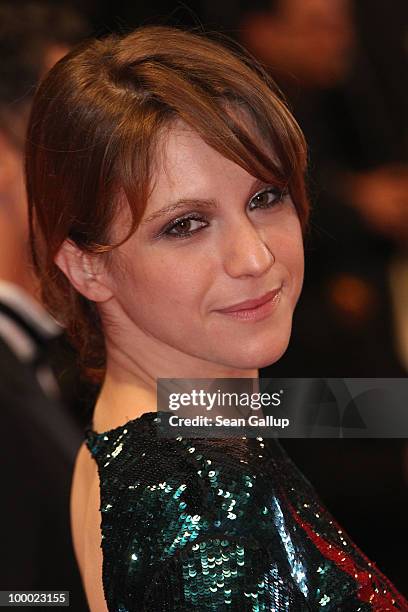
(221, 525)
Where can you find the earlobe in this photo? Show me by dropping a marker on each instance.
(81, 269)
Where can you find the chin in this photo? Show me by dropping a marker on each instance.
(269, 357)
(259, 354)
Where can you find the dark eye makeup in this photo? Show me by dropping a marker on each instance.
(182, 227)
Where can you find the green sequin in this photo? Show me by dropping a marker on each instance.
(217, 525)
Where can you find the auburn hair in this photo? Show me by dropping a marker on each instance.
(94, 123)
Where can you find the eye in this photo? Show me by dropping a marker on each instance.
(184, 227)
(267, 198)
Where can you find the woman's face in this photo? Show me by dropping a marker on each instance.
(212, 237)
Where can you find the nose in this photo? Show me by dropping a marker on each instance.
(246, 252)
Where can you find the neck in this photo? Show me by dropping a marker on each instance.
(129, 387)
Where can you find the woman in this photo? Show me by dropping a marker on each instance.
(166, 189)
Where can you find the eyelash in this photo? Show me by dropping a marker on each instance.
(166, 232)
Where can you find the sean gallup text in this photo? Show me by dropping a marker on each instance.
(220, 421)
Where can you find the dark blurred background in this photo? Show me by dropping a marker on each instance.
(342, 65)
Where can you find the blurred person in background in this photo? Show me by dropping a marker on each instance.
(39, 435)
(342, 65)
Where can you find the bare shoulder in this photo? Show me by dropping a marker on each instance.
(85, 525)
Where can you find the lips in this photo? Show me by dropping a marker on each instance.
(252, 304)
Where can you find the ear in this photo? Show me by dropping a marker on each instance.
(84, 271)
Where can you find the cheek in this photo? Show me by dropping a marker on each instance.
(165, 285)
(296, 260)
(286, 243)
(289, 255)
(294, 256)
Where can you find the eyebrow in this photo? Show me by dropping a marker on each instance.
(179, 205)
(196, 202)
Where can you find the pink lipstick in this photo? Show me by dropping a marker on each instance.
(255, 309)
